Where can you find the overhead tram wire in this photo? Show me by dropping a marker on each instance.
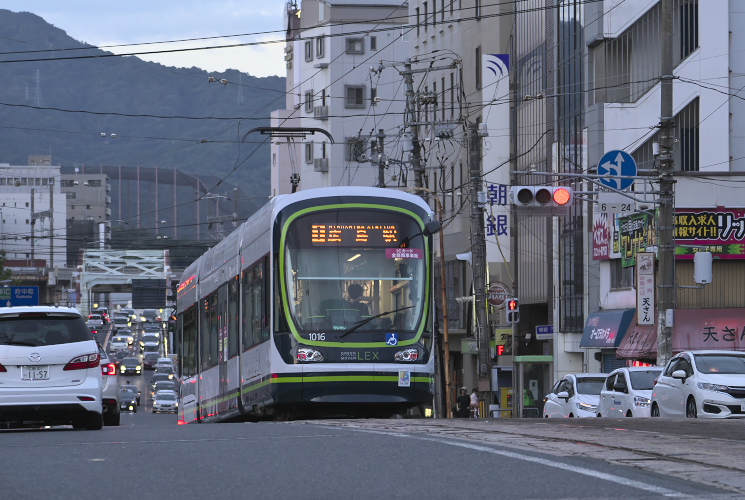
(268, 42)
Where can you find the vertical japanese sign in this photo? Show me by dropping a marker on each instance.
(636, 233)
(645, 288)
(495, 95)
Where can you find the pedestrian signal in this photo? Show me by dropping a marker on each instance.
(513, 311)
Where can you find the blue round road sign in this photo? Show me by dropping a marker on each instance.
(614, 164)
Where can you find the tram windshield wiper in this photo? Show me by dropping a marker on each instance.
(367, 320)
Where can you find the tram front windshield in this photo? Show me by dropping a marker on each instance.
(344, 267)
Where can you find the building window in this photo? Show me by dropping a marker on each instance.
(426, 21)
(418, 21)
(688, 28)
(478, 10)
(442, 11)
(323, 97)
(319, 47)
(309, 50)
(71, 195)
(478, 67)
(620, 277)
(308, 152)
(308, 101)
(443, 104)
(94, 183)
(67, 183)
(452, 95)
(355, 46)
(373, 96)
(354, 96)
(355, 148)
(373, 43)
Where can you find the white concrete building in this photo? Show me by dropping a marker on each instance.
(331, 47)
(622, 112)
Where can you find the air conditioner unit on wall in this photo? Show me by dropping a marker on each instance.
(321, 165)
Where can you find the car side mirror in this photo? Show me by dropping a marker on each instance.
(679, 374)
(563, 394)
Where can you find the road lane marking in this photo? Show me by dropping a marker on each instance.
(541, 461)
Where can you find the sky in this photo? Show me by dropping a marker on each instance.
(140, 21)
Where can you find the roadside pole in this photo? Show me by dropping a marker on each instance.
(666, 218)
(478, 255)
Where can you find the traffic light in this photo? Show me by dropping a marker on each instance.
(541, 196)
(513, 310)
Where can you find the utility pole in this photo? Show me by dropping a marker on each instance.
(478, 255)
(381, 158)
(666, 218)
(411, 119)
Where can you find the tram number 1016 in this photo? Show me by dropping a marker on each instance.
(316, 336)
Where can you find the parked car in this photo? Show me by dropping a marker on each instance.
(165, 401)
(575, 395)
(50, 369)
(149, 359)
(130, 366)
(706, 384)
(628, 392)
(109, 389)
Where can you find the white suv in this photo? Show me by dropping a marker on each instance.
(50, 370)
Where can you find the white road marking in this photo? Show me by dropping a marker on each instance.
(542, 461)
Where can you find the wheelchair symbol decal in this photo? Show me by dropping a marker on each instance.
(391, 339)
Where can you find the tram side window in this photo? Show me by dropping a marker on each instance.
(233, 318)
(209, 335)
(247, 310)
(188, 355)
(258, 304)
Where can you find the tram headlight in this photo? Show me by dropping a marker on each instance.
(407, 355)
(308, 354)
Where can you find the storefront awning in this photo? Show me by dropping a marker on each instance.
(640, 342)
(693, 329)
(606, 329)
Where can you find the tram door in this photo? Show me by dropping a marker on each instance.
(222, 346)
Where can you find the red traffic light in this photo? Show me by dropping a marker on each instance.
(562, 196)
(513, 305)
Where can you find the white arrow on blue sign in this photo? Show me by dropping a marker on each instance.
(614, 164)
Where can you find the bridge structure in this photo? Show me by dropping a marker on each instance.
(112, 271)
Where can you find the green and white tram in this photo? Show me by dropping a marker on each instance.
(320, 304)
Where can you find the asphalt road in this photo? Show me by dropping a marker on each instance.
(150, 455)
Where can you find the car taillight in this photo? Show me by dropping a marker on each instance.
(2, 368)
(108, 369)
(83, 362)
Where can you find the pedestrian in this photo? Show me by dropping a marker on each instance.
(463, 402)
(474, 403)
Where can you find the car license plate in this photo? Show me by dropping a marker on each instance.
(35, 373)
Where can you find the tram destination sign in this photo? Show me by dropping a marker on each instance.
(354, 234)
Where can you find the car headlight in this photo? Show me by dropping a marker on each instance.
(711, 387)
(587, 407)
(642, 401)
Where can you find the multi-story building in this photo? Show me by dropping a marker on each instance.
(331, 47)
(33, 228)
(622, 108)
(88, 212)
